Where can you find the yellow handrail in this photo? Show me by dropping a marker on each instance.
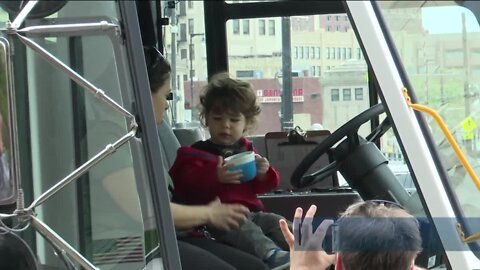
(447, 133)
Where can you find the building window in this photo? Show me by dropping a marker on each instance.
(245, 73)
(347, 94)
(312, 52)
(358, 93)
(261, 27)
(301, 53)
(329, 28)
(317, 52)
(236, 27)
(190, 26)
(335, 95)
(338, 28)
(183, 32)
(183, 54)
(329, 18)
(336, 18)
(182, 9)
(338, 53)
(307, 52)
(295, 52)
(185, 77)
(453, 55)
(319, 70)
(190, 4)
(349, 53)
(328, 52)
(246, 27)
(332, 53)
(271, 27)
(344, 53)
(359, 53)
(312, 68)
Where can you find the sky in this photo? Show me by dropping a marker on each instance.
(448, 20)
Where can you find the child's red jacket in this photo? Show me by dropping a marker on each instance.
(194, 174)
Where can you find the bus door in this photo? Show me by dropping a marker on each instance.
(81, 93)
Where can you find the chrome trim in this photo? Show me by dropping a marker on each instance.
(109, 149)
(71, 29)
(22, 15)
(51, 236)
(97, 92)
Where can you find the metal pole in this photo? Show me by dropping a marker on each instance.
(173, 63)
(192, 107)
(287, 100)
(466, 85)
(466, 65)
(52, 236)
(191, 77)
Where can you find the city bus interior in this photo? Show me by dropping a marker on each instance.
(80, 179)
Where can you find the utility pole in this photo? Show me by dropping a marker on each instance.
(287, 100)
(173, 62)
(191, 48)
(466, 85)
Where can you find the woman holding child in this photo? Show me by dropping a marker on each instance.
(200, 175)
(198, 252)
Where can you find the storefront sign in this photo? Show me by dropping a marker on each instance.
(274, 95)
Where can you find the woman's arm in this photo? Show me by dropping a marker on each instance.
(219, 215)
(189, 216)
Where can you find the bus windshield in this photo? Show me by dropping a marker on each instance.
(442, 61)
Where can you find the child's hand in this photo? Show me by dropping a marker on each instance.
(262, 165)
(225, 176)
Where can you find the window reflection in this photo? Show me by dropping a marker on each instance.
(6, 181)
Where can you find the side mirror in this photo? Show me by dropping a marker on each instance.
(41, 10)
(8, 134)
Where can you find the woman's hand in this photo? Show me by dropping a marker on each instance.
(225, 176)
(307, 253)
(225, 216)
(262, 166)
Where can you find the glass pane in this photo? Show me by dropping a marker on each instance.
(320, 95)
(189, 70)
(442, 58)
(7, 177)
(100, 214)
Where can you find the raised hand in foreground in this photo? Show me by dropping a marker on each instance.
(306, 252)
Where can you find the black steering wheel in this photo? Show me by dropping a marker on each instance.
(349, 130)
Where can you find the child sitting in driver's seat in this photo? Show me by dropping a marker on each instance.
(229, 108)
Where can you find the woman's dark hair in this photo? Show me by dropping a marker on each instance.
(15, 253)
(158, 68)
(226, 94)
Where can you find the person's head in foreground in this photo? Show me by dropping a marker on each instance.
(377, 235)
(369, 235)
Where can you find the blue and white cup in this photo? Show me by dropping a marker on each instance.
(245, 162)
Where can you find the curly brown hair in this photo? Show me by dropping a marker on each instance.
(226, 94)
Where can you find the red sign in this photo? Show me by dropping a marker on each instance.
(274, 95)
